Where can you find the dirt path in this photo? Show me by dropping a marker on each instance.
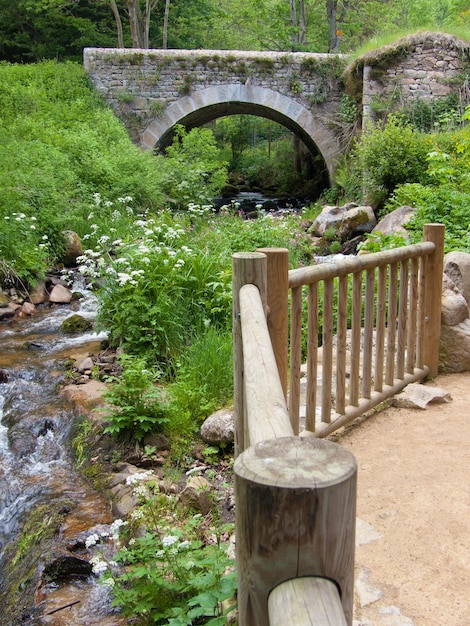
(413, 509)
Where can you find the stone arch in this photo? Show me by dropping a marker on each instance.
(208, 104)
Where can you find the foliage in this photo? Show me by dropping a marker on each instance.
(391, 155)
(193, 169)
(444, 195)
(171, 279)
(60, 146)
(33, 30)
(135, 401)
(23, 254)
(430, 116)
(377, 241)
(203, 382)
(171, 573)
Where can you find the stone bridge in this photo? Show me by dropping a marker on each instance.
(152, 90)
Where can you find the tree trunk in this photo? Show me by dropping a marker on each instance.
(331, 6)
(117, 18)
(302, 24)
(293, 19)
(165, 24)
(135, 23)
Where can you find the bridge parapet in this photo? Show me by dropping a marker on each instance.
(151, 90)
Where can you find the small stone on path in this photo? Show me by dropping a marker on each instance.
(416, 396)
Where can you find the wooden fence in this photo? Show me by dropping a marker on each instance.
(373, 323)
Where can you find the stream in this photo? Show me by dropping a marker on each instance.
(37, 470)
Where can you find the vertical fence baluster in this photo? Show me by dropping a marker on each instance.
(342, 327)
(421, 313)
(402, 315)
(312, 358)
(356, 326)
(392, 324)
(368, 334)
(327, 350)
(380, 328)
(295, 358)
(412, 317)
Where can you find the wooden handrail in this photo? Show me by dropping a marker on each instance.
(350, 265)
(266, 411)
(296, 495)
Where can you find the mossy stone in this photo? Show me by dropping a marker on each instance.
(76, 324)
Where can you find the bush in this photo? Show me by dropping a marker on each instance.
(136, 401)
(392, 155)
(193, 168)
(444, 196)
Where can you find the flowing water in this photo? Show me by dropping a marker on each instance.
(36, 467)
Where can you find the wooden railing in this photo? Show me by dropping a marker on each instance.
(295, 496)
(385, 333)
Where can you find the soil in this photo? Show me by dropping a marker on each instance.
(413, 505)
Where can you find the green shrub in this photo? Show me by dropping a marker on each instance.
(444, 195)
(392, 155)
(136, 401)
(169, 569)
(193, 168)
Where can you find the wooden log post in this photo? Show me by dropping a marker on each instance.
(278, 303)
(247, 268)
(296, 514)
(308, 601)
(433, 295)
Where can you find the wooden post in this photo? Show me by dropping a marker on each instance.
(247, 268)
(277, 300)
(308, 601)
(296, 515)
(433, 295)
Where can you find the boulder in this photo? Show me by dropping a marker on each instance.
(455, 347)
(454, 307)
(27, 308)
(347, 221)
(85, 365)
(196, 494)
(417, 396)
(357, 221)
(73, 248)
(38, 293)
(394, 223)
(76, 324)
(457, 268)
(60, 295)
(218, 428)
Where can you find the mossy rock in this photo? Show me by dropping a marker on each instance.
(76, 324)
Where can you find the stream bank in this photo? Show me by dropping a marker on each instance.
(49, 507)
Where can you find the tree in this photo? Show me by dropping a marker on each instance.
(32, 30)
(298, 20)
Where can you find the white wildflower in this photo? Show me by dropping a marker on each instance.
(133, 479)
(92, 540)
(169, 540)
(137, 514)
(98, 566)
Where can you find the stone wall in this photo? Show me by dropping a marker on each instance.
(424, 66)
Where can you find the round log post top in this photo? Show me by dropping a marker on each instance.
(296, 463)
(296, 514)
